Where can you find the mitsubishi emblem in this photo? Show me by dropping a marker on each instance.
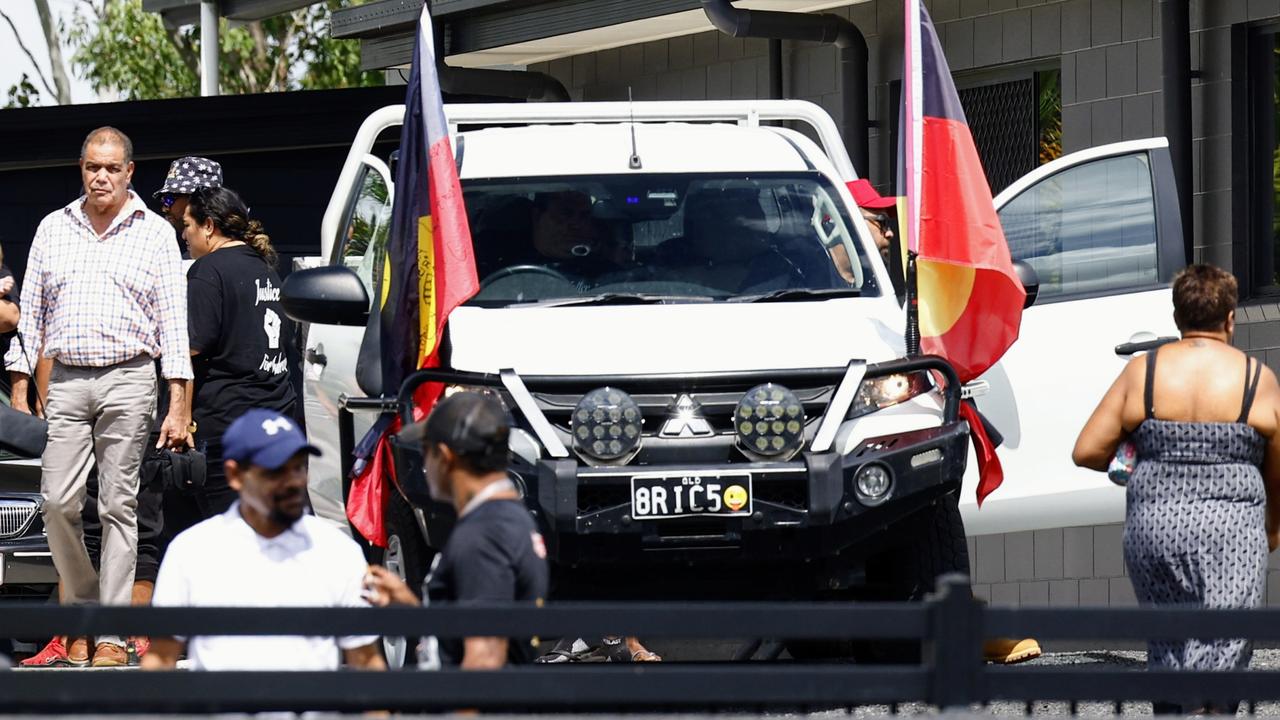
(685, 419)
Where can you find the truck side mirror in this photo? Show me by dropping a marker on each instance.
(325, 295)
(1029, 279)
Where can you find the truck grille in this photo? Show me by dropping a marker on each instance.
(16, 516)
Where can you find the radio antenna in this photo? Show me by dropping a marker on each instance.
(634, 162)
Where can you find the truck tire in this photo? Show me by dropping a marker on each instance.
(928, 544)
(408, 556)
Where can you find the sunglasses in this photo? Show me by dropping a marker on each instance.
(880, 219)
(167, 201)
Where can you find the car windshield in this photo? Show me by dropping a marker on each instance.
(663, 238)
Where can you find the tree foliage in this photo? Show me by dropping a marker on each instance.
(22, 94)
(127, 52)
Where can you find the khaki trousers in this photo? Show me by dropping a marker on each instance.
(103, 415)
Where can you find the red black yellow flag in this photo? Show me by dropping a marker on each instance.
(970, 298)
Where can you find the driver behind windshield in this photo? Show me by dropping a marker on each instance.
(569, 238)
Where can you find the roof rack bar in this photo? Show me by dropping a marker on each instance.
(741, 112)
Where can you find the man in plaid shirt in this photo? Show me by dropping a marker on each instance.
(103, 296)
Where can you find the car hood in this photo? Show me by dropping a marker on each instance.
(679, 338)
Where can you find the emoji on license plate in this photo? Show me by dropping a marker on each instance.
(656, 497)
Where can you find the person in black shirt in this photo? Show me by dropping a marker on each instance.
(239, 336)
(8, 305)
(495, 553)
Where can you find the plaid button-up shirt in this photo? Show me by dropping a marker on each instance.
(90, 300)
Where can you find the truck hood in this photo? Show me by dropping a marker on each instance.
(683, 338)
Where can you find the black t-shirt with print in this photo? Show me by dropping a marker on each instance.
(493, 555)
(242, 338)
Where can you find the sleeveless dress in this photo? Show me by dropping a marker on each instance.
(1195, 524)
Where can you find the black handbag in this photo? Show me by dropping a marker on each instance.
(182, 471)
(22, 433)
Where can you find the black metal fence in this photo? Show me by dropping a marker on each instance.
(951, 627)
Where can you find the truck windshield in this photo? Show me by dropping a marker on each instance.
(679, 237)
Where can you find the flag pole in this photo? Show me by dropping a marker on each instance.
(912, 336)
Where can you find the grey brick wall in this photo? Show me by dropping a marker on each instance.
(1109, 53)
(1065, 567)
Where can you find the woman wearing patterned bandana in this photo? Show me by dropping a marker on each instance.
(186, 175)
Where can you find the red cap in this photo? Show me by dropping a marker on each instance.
(866, 196)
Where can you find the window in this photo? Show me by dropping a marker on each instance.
(1089, 229)
(364, 238)
(686, 237)
(1014, 113)
(1261, 128)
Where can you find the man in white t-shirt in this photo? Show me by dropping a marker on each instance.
(263, 552)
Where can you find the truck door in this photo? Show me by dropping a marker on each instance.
(329, 351)
(1102, 230)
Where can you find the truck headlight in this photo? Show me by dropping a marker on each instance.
(606, 424)
(769, 422)
(882, 392)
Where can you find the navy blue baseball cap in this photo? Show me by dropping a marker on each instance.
(264, 438)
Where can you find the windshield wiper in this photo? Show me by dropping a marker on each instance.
(786, 294)
(618, 299)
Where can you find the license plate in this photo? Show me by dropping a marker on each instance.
(657, 497)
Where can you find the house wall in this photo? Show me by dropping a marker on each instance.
(1109, 53)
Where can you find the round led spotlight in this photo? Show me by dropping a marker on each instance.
(606, 424)
(873, 483)
(769, 421)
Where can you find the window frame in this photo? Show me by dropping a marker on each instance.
(1156, 151)
(1253, 131)
(368, 163)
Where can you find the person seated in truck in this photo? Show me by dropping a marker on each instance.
(569, 238)
(555, 230)
(727, 245)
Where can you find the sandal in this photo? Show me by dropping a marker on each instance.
(645, 656)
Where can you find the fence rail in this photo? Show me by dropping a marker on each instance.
(950, 626)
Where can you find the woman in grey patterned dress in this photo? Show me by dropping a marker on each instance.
(1203, 504)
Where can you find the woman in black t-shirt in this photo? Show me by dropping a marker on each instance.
(239, 334)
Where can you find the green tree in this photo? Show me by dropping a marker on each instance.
(124, 51)
(22, 94)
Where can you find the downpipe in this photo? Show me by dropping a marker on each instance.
(827, 29)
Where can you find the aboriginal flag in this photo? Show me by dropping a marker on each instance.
(429, 270)
(970, 299)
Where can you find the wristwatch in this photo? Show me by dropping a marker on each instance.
(192, 427)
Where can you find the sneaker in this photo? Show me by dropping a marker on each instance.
(612, 649)
(1007, 651)
(53, 655)
(110, 655)
(566, 651)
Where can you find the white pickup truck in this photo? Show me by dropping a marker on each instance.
(709, 401)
